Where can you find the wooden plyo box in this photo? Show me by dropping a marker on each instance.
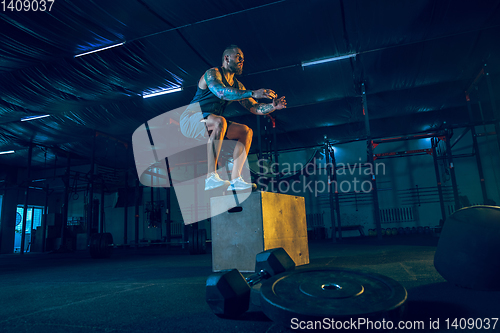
(265, 221)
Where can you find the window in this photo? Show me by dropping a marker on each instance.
(34, 215)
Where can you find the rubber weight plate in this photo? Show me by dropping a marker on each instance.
(339, 294)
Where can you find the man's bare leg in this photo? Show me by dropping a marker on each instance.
(217, 126)
(243, 134)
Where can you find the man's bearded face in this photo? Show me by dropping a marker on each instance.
(236, 62)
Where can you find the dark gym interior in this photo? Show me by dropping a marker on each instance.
(379, 178)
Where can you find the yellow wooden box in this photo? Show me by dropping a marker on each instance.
(264, 221)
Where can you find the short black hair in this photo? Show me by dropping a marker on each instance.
(228, 50)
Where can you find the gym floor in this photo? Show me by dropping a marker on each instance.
(150, 290)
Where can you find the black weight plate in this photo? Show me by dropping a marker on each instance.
(315, 294)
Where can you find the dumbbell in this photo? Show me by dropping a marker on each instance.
(228, 292)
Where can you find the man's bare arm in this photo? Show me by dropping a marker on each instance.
(264, 108)
(259, 108)
(213, 78)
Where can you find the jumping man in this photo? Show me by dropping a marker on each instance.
(217, 88)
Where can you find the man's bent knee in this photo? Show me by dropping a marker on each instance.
(249, 132)
(220, 124)
(246, 133)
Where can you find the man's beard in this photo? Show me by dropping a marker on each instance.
(237, 70)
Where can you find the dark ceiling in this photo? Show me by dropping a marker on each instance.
(415, 58)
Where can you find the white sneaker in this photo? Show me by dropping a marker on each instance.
(239, 184)
(214, 181)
